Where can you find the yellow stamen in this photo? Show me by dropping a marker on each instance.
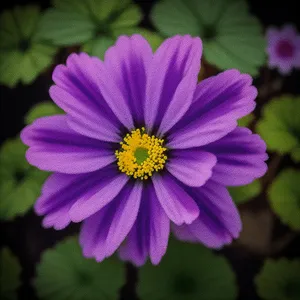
(141, 154)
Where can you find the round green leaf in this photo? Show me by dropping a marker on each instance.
(90, 22)
(189, 272)
(241, 194)
(64, 273)
(42, 109)
(279, 280)
(232, 38)
(20, 183)
(9, 275)
(280, 125)
(153, 38)
(284, 197)
(246, 121)
(22, 56)
(98, 46)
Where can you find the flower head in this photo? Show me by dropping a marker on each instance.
(283, 49)
(143, 148)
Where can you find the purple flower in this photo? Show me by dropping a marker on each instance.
(283, 49)
(144, 149)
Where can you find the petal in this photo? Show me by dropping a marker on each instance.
(150, 233)
(93, 200)
(219, 221)
(172, 77)
(178, 205)
(61, 191)
(103, 232)
(128, 62)
(78, 93)
(54, 146)
(218, 103)
(240, 156)
(192, 167)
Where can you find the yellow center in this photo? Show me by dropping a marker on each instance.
(141, 154)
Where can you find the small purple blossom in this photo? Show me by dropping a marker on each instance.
(283, 49)
(145, 149)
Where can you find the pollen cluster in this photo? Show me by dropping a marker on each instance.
(141, 154)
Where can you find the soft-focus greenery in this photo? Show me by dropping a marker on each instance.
(284, 195)
(20, 183)
(9, 275)
(23, 55)
(241, 194)
(280, 126)
(189, 272)
(64, 273)
(95, 24)
(279, 280)
(232, 37)
(42, 109)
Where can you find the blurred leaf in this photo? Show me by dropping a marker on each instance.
(280, 126)
(22, 56)
(241, 194)
(187, 271)
(279, 280)
(232, 38)
(42, 109)
(152, 37)
(284, 197)
(97, 47)
(64, 273)
(246, 121)
(9, 275)
(20, 183)
(91, 22)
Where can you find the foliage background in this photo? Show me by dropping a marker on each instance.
(264, 235)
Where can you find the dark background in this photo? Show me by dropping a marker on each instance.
(28, 239)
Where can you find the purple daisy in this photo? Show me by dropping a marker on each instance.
(144, 148)
(283, 49)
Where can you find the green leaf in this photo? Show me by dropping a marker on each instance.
(20, 183)
(98, 46)
(152, 37)
(64, 273)
(241, 194)
(246, 121)
(279, 280)
(187, 271)
(43, 109)
(64, 28)
(280, 125)
(88, 22)
(284, 196)
(22, 57)
(131, 16)
(232, 38)
(9, 275)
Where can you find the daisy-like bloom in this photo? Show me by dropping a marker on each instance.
(283, 49)
(143, 149)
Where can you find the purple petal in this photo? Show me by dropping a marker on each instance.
(56, 147)
(193, 167)
(219, 221)
(171, 78)
(240, 156)
(95, 199)
(61, 191)
(78, 93)
(218, 103)
(128, 62)
(150, 233)
(178, 205)
(103, 232)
